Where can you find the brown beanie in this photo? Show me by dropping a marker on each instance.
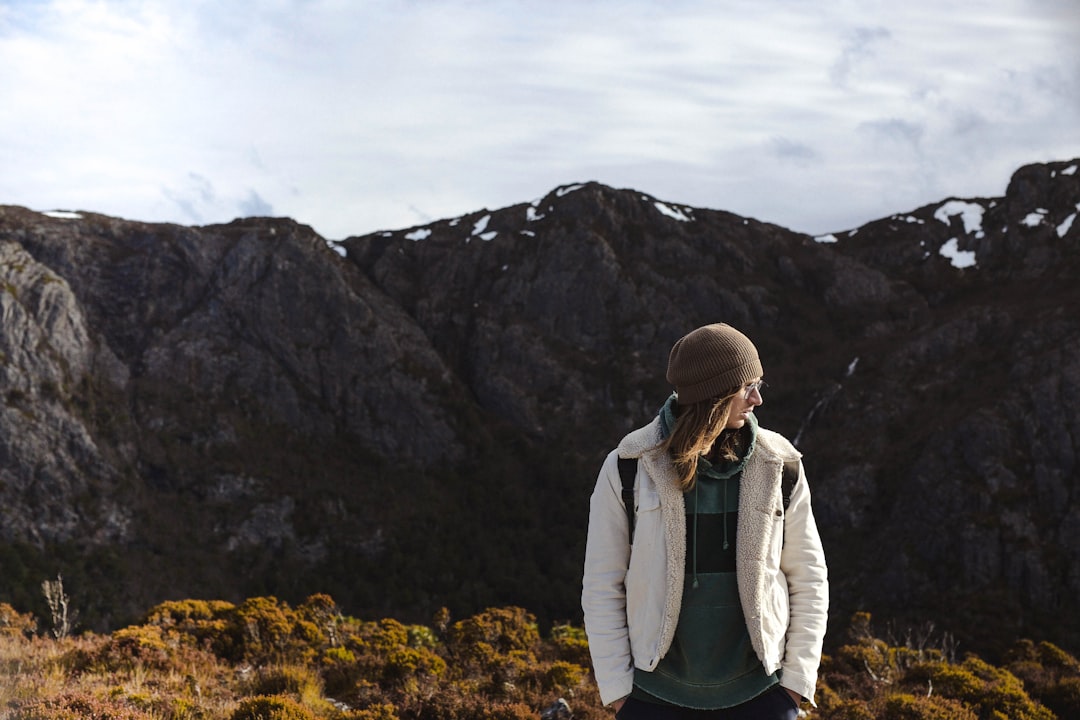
(711, 360)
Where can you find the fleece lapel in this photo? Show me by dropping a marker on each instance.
(759, 501)
(643, 444)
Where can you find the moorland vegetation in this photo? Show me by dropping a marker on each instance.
(263, 659)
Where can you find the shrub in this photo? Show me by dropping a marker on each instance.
(339, 671)
(321, 611)
(404, 662)
(14, 623)
(77, 706)
(978, 684)
(295, 680)
(379, 660)
(571, 644)
(187, 614)
(1054, 657)
(497, 645)
(205, 623)
(912, 707)
(1049, 674)
(260, 630)
(378, 711)
(265, 627)
(455, 706)
(132, 646)
(183, 709)
(563, 676)
(422, 637)
(503, 629)
(848, 710)
(1063, 698)
(271, 707)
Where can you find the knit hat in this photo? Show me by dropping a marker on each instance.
(711, 360)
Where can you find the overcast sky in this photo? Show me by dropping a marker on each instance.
(364, 115)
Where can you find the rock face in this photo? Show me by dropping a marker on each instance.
(417, 419)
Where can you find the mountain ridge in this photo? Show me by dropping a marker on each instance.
(247, 408)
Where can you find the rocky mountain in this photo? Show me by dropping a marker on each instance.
(415, 418)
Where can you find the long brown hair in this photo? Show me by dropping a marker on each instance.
(697, 427)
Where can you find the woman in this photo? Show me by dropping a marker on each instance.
(718, 610)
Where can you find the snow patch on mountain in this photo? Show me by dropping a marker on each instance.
(1034, 218)
(959, 258)
(672, 212)
(971, 214)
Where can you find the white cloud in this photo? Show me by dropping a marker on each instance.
(351, 117)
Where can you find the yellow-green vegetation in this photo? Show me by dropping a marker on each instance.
(872, 679)
(265, 660)
(262, 659)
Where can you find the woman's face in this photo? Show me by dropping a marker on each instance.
(744, 403)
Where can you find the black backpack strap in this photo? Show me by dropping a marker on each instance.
(628, 471)
(791, 476)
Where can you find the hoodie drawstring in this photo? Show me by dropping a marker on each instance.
(696, 486)
(723, 511)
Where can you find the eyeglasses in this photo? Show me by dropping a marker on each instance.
(748, 390)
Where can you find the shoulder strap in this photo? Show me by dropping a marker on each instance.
(791, 476)
(627, 471)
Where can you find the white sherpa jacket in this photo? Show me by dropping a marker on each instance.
(632, 599)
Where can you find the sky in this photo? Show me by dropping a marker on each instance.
(368, 115)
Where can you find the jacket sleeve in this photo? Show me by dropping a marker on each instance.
(802, 561)
(603, 596)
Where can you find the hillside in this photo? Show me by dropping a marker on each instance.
(413, 419)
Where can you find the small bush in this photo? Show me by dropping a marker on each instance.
(571, 644)
(378, 711)
(981, 686)
(187, 614)
(77, 706)
(14, 623)
(135, 645)
(298, 680)
(849, 710)
(503, 629)
(204, 623)
(1049, 674)
(339, 670)
(912, 707)
(454, 706)
(1063, 698)
(271, 707)
(562, 676)
(184, 709)
(322, 612)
